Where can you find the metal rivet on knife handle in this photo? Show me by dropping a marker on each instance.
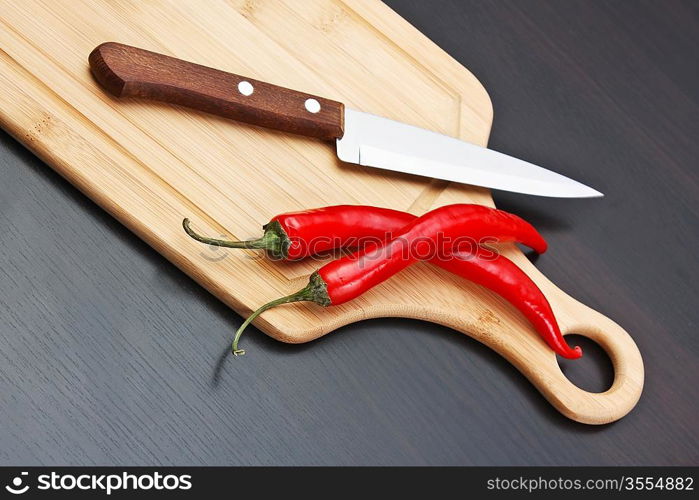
(245, 88)
(312, 105)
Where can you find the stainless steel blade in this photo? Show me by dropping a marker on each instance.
(374, 141)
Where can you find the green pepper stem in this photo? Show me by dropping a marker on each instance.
(268, 241)
(315, 291)
(299, 296)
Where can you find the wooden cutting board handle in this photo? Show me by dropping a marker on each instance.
(525, 350)
(127, 71)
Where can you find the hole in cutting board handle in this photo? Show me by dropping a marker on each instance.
(594, 371)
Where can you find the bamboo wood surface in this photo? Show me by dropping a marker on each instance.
(150, 165)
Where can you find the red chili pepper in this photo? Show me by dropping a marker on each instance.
(347, 278)
(503, 277)
(297, 235)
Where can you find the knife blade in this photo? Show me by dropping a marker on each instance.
(360, 137)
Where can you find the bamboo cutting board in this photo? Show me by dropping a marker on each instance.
(150, 165)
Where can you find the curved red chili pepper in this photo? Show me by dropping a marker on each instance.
(347, 223)
(349, 277)
(346, 278)
(505, 278)
(297, 235)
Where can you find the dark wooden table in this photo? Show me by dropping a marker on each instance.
(110, 355)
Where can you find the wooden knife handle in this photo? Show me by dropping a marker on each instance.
(127, 71)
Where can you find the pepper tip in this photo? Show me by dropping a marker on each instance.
(577, 353)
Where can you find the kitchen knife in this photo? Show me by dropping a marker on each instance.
(361, 138)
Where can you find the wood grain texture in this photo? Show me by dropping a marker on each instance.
(151, 166)
(111, 355)
(132, 72)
